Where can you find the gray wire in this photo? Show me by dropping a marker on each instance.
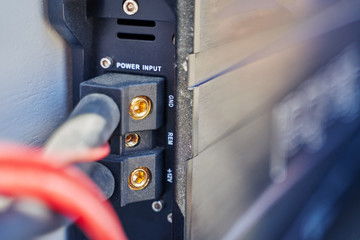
(90, 125)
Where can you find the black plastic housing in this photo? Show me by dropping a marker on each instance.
(101, 29)
(122, 88)
(153, 160)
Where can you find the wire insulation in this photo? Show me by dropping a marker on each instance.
(27, 172)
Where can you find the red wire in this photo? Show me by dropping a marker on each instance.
(25, 172)
(15, 152)
(82, 155)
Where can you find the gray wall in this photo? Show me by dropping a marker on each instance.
(33, 90)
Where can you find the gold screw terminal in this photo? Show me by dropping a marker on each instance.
(132, 140)
(139, 178)
(140, 107)
(130, 7)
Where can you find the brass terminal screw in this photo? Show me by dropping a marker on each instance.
(132, 140)
(139, 178)
(140, 107)
(130, 7)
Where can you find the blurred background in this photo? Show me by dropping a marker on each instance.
(35, 95)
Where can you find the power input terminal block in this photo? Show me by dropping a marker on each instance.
(136, 161)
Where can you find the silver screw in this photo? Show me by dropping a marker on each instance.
(106, 62)
(157, 206)
(169, 217)
(130, 7)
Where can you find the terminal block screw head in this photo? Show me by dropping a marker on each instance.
(106, 62)
(132, 140)
(130, 7)
(139, 178)
(140, 107)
